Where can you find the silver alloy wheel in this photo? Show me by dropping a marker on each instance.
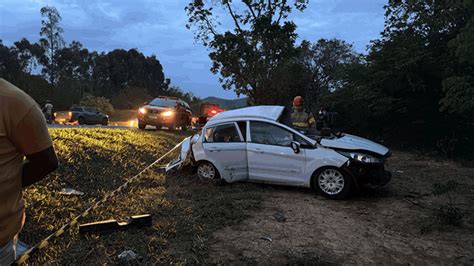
(206, 170)
(331, 181)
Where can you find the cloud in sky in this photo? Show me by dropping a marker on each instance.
(158, 27)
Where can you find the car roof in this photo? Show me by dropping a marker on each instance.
(269, 112)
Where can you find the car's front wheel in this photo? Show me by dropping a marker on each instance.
(207, 170)
(332, 183)
(141, 125)
(105, 122)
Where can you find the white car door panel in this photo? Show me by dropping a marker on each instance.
(228, 154)
(271, 159)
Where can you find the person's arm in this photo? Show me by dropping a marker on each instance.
(31, 138)
(38, 166)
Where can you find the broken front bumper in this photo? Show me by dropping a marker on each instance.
(369, 173)
(184, 157)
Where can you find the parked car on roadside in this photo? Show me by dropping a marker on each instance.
(170, 112)
(252, 144)
(82, 115)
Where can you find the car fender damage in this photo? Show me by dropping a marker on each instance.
(185, 157)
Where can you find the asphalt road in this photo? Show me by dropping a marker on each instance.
(87, 126)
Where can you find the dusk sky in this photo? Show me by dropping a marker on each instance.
(158, 27)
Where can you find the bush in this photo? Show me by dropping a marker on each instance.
(102, 104)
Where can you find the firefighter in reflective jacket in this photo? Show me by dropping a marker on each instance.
(301, 118)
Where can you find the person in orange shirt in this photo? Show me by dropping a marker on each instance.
(23, 133)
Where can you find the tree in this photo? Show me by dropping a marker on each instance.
(258, 48)
(10, 67)
(51, 40)
(29, 55)
(327, 64)
(119, 69)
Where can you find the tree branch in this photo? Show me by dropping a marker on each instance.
(251, 9)
(281, 11)
(233, 16)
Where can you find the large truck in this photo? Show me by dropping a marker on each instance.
(207, 111)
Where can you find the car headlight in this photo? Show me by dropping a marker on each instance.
(142, 110)
(360, 157)
(167, 113)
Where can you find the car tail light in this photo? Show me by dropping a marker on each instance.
(212, 112)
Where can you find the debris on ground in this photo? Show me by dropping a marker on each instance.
(136, 221)
(128, 255)
(279, 216)
(71, 191)
(267, 238)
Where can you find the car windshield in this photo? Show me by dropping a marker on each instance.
(313, 133)
(163, 102)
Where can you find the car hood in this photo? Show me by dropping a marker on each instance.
(157, 107)
(351, 142)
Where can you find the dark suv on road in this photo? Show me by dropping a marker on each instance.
(169, 112)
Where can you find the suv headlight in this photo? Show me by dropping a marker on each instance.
(167, 113)
(360, 157)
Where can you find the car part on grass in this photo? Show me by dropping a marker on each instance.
(136, 221)
(71, 191)
(279, 217)
(128, 255)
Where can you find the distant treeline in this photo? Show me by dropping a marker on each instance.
(63, 73)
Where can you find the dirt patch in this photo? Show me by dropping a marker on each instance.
(377, 226)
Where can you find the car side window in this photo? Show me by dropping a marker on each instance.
(266, 133)
(243, 128)
(222, 133)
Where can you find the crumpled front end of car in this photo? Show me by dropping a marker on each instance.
(368, 169)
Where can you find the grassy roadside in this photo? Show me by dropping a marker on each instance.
(185, 210)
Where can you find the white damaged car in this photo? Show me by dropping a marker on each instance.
(254, 144)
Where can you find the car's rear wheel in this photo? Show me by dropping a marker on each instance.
(332, 183)
(81, 121)
(141, 125)
(207, 170)
(105, 121)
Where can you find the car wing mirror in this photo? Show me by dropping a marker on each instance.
(296, 146)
